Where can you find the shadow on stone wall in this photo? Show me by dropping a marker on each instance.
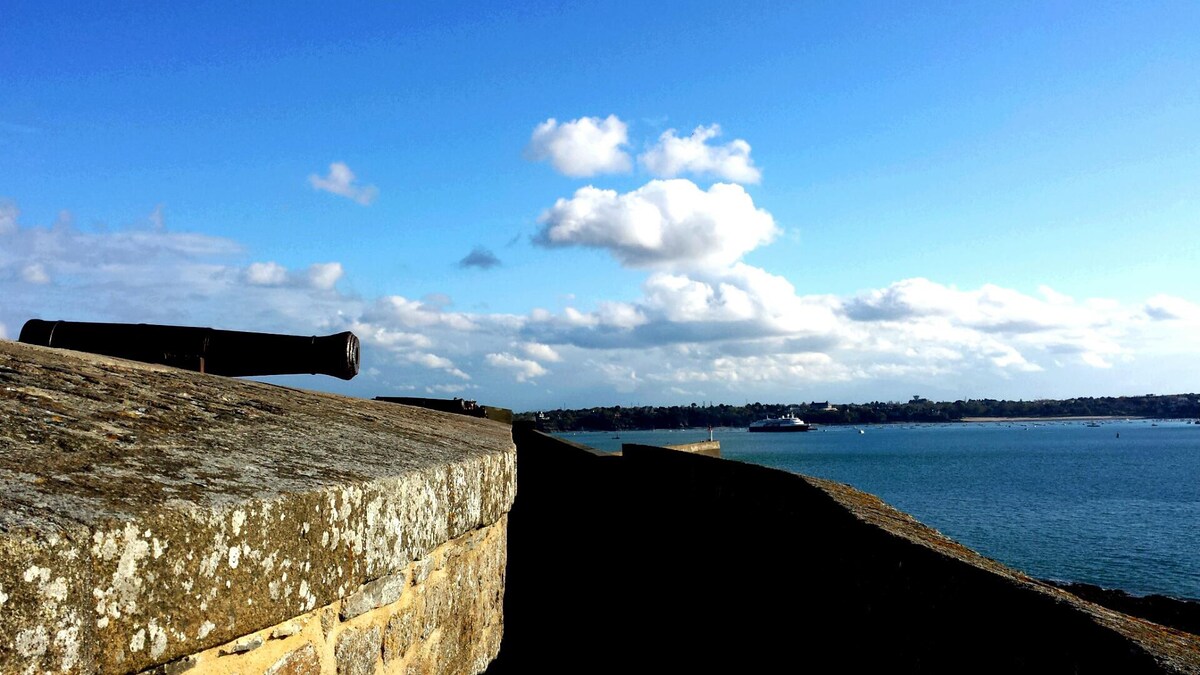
(663, 561)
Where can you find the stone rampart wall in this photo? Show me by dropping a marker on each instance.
(439, 616)
(150, 515)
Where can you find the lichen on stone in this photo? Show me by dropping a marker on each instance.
(157, 500)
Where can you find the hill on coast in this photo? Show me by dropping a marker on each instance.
(1168, 406)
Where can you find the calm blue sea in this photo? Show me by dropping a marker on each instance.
(1116, 505)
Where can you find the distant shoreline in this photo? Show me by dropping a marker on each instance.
(1065, 418)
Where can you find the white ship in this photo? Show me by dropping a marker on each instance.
(788, 422)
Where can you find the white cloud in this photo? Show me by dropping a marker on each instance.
(341, 181)
(9, 213)
(435, 362)
(999, 324)
(150, 274)
(738, 303)
(266, 274)
(796, 368)
(741, 293)
(583, 147)
(389, 339)
(904, 299)
(1006, 357)
(157, 219)
(1164, 307)
(323, 275)
(664, 224)
(444, 389)
(540, 352)
(400, 311)
(673, 156)
(1054, 297)
(991, 308)
(523, 369)
(319, 276)
(35, 273)
(711, 325)
(619, 315)
(620, 376)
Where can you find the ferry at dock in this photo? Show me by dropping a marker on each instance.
(788, 422)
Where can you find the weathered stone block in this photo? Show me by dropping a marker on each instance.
(373, 594)
(242, 646)
(302, 661)
(329, 617)
(400, 634)
(288, 629)
(421, 569)
(358, 650)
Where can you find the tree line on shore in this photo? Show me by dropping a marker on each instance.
(1170, 406)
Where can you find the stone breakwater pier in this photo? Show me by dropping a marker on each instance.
(157, 520)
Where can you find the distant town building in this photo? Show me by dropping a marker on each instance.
(822, 405)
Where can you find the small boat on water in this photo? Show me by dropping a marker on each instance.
(788, 422)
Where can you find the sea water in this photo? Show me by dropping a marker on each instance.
(1116, 505)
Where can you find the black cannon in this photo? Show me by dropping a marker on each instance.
(207, 350)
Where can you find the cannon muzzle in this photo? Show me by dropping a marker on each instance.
(207, 350)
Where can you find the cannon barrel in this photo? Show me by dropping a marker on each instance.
(207, 350)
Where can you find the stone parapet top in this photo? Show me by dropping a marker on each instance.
(148, 513)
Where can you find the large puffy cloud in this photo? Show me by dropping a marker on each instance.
(740, 293)
(738, 303)
(341, 181)
(665, 223)
(673, 156)
(582, 147)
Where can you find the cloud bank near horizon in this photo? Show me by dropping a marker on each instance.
(723, 330)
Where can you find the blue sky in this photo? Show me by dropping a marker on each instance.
(566, 205)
